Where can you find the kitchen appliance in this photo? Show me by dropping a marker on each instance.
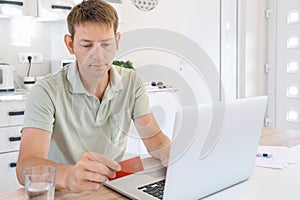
(6, 78)
(18, 8)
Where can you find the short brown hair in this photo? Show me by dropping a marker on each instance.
(96, 11)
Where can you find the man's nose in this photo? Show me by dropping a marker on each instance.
(98, 51)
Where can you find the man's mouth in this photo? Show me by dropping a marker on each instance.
(98, 65)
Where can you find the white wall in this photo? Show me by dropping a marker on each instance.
(27, 35)
(47, 37)
(165, 14)
(200, 21)
(196, 19)
(22, 35)
(58, 49)
(253, 48)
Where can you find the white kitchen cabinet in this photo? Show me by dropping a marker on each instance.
(10, 138)
(54, 9)
(8, 171)
(11, 120)
(9, 8)
(11, 113)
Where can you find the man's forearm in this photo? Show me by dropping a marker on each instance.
(157, 145)
(34, 161)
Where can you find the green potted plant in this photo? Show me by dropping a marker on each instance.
(128, 64)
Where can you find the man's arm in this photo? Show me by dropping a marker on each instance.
(88, 173)
(156, 142)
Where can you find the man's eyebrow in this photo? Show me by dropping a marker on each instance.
(84, 40)
(106, 40)
(109, 39)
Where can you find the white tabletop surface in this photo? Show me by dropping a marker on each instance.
(267, 184)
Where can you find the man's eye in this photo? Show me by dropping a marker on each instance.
(106, 45)
(87, 46)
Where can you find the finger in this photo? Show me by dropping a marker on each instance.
(99, 168)
(165, 160)
(165, 157)
(103, 159)
(95, 177)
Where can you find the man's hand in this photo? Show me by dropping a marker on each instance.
(164, 155)
(156, 142)
(90, 172)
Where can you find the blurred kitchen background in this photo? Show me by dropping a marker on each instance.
(252, 45)
(241, 38)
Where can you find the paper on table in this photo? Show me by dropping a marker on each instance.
(280, 158)
(292, 157)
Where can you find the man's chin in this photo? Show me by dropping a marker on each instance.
(102, 67)
(99, 73)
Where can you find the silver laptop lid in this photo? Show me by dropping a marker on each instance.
(214, 147)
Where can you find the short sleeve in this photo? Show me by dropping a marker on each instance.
(39, 111)
(141, 102)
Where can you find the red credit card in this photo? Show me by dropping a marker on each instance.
(129, 166)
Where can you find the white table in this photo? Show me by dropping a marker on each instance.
(267, 184)
(264, 184)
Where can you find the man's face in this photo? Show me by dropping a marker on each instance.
(94, 46)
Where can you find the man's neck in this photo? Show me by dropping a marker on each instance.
(102, 85)
(98, 86)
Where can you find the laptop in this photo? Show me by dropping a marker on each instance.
(213, 147)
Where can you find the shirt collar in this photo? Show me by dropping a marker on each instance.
(115, 79)
(76, 86)
(73, 77)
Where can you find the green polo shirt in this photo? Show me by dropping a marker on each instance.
(78, 121)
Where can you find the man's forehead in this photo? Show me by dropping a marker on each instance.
(94, 32)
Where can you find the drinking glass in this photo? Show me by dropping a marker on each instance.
(40, 182)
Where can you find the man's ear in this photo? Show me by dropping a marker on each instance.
(118, 37)
(69, 43)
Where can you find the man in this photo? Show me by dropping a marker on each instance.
(78, 118)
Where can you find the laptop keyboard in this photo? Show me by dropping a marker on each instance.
(155, 189)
